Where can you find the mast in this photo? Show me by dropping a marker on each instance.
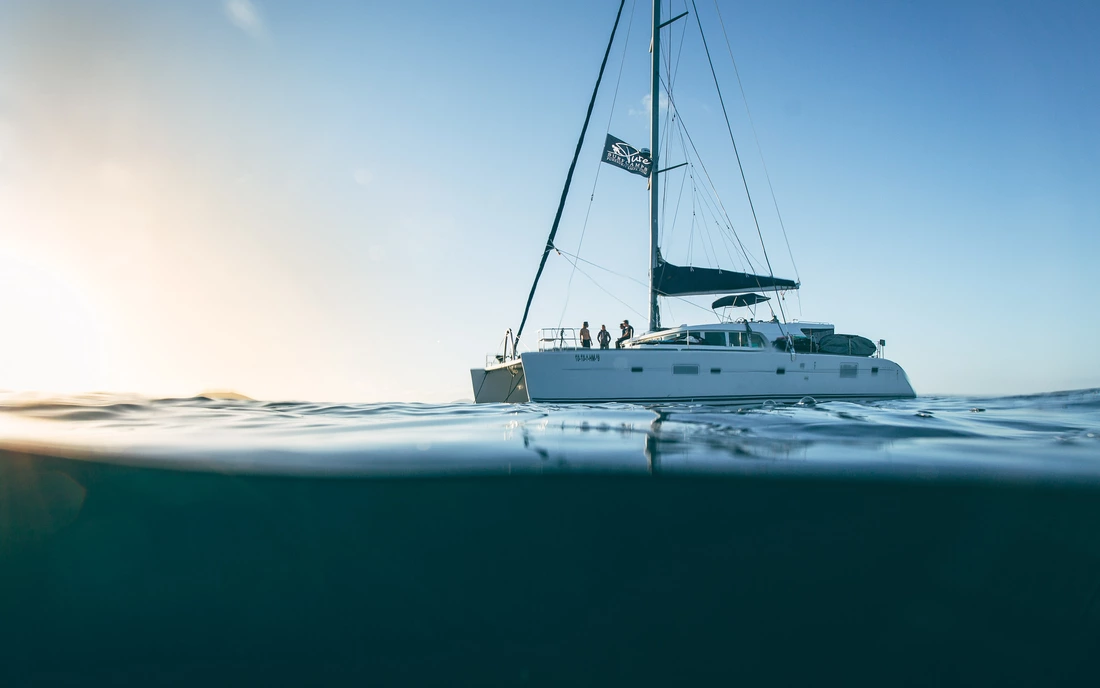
(654, 144)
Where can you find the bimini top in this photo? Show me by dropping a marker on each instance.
(677, 280)
(739, 300)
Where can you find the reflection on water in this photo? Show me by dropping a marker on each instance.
(930, 541)
(1041, 435)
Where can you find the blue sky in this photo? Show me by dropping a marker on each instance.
(348, 201)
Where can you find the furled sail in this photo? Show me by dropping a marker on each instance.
(678, 280)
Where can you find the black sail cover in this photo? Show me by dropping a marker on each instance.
(677, 280)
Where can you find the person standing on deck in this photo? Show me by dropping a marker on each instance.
(604, 337)
(586, 336)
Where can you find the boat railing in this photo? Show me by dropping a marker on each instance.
(555, 338)
(510, 351)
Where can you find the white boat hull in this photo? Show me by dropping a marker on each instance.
(500, 384)
(693, 374)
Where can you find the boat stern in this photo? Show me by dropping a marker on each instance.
(503, 383)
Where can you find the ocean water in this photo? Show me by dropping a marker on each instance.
(940, 540)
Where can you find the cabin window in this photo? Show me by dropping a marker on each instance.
(748, 339)
(707, 338)
(685, 370)
(816, 332)
(715, 371)
(636, 369)
(849, 370)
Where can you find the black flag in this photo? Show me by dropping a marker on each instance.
(622, 154)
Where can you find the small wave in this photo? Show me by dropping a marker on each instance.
(1052, 431)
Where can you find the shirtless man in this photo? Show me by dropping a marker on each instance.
(586, 337)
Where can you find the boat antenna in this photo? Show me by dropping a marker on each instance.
(568, 178)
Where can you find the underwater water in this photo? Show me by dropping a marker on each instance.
(178, 541)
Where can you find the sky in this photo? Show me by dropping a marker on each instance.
(347, 201)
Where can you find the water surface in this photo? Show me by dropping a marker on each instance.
(1047, 436)
(191, 541)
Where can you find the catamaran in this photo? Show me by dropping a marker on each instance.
(732, 361)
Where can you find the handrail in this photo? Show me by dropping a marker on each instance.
(554, 338)
(511, 353)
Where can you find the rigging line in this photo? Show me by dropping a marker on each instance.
(718, 215)
(725, 244)
(710, 181)
(683, 129)
(726, 231)
(517, 380)
(693, 304)
(569, 175)
(759, 149)
(679, 52)
(666, 56)
(691, 232)
(683, 179)
(672, 72)
(672, 69)
(705, 238)
(707, 207)
(666, 129)
(485, 377)
(569, 257)
(710, 237)
(720, 209)
(723, 232)
(744, 180)
(679, 198)
(664, 187)
(599, 165)
(694, 212)
(688, 173)
(598, 285)
(567, 254)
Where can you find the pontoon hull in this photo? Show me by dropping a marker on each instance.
(693, 374)
(499, 384)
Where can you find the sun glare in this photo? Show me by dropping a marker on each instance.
(50, 339)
